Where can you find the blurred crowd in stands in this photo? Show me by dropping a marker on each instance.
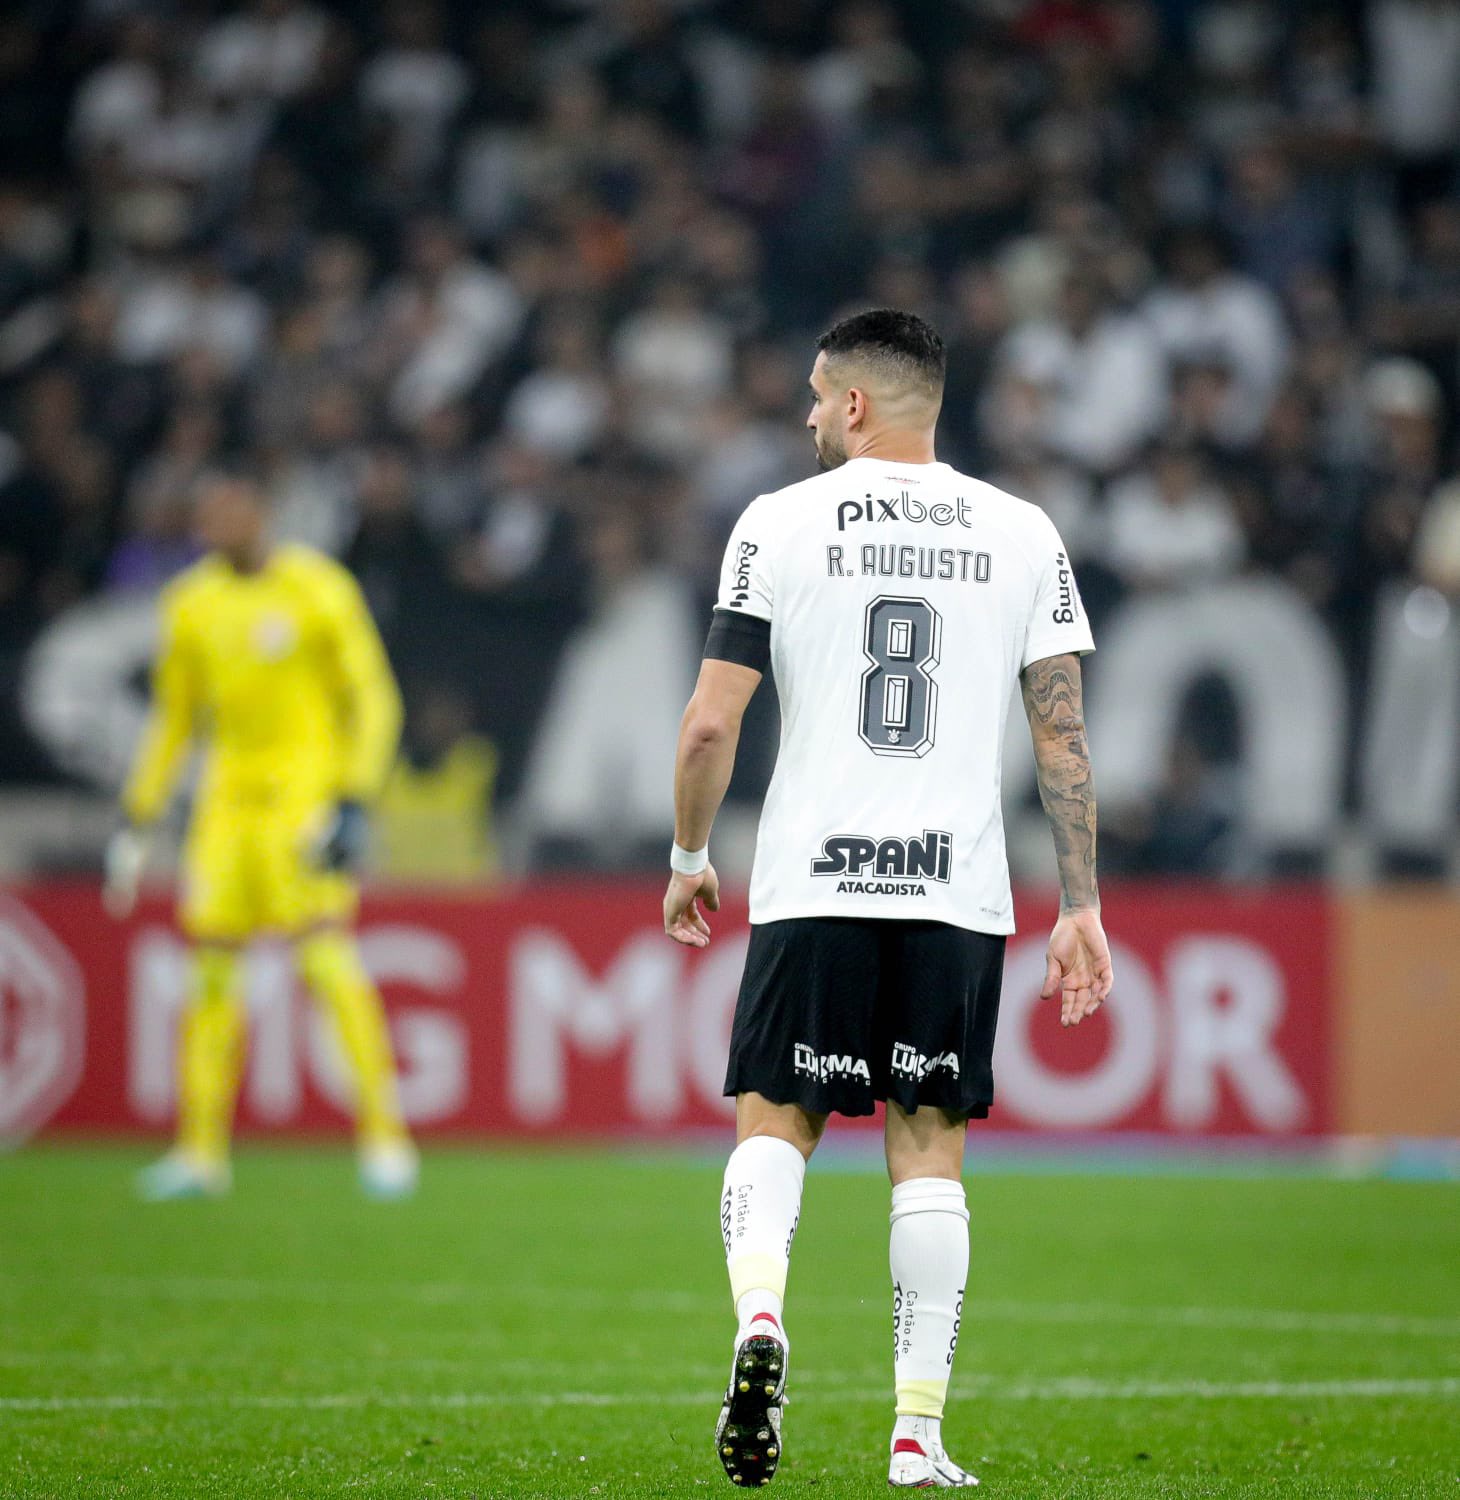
(514, 306)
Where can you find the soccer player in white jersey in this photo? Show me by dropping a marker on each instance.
(896, 601)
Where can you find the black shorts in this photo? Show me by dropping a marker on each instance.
(836, 1013)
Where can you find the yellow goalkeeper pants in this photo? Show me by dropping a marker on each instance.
(211, 1050)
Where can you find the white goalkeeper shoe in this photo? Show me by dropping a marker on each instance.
(748, 1434)
(180, 1174)
(389, 1170)
(923, 1464)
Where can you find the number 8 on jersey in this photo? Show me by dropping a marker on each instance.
(899, 704)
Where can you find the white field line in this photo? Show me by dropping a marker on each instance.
(438, 1294)
(1072, 1389)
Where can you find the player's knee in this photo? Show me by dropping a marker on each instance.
(326, 958)
(757, 1116)
(215, 976)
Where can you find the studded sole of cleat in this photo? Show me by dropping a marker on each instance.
(747, 1441)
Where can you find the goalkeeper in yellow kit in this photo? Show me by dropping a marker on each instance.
(269, 658)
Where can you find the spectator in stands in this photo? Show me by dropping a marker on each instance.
(673, 359)
(391, 552)
(315, 484)
(445, 460)
(562, 406)
(120, 97)
(1170, 525)
(158, 504)
(441, 323)
(1415, 51)
(754, 443)
(297, 364)
(159, 543)
(321, 130)
(591, 796)
(1437, 544)
(1279, 224)
(191, 304)
(868, 57)
(520, 540)
(120, 401)
(1405, 401)
(270, 50)
(649, 68)
(413, 88)
(1090, 381)
(1205, 310)
(1298, 513)
(1422, 316)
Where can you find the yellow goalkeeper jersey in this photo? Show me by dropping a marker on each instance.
(281, 673)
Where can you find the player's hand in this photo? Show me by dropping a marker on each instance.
(683, 919)
(126, 859)
(1078, 967)
(346, 838)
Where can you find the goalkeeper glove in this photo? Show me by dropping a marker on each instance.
(126, 858)
(345, 840)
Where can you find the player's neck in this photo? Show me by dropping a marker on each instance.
(249, 561)
(897, 447)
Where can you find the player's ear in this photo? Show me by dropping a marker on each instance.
(856, 406)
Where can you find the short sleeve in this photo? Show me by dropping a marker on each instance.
(745, 575)
(1057, 622)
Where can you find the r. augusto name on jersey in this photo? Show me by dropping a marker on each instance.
(951, 564)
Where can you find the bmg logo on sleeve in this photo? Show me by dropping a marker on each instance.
(1068, 608)
(741, 581)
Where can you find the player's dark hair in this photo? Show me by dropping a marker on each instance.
(900, 341)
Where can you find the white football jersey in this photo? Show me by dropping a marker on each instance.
(903, 601)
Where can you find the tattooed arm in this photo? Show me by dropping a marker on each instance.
(1052, 700)
(1078, 966)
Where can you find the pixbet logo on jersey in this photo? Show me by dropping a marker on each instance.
(904, 507)
(899, 863)
(741, 581)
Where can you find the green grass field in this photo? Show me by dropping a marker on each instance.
(557, 1325)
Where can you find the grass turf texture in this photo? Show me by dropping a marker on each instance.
(558, 1325)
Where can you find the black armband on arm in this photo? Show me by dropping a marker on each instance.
(743, 639)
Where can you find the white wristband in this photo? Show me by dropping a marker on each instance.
(688, 861)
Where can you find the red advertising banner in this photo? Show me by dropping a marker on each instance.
(546, 1011)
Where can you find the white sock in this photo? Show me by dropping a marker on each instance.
(929, 1256)
(759, 1209)
(758, 1302)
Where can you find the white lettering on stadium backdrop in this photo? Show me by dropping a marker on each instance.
(1201, 1029)
(42, 1022)
(1226, 1002)
(289, 1040)
(674, 1033)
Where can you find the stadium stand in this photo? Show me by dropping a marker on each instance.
(514, 306)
